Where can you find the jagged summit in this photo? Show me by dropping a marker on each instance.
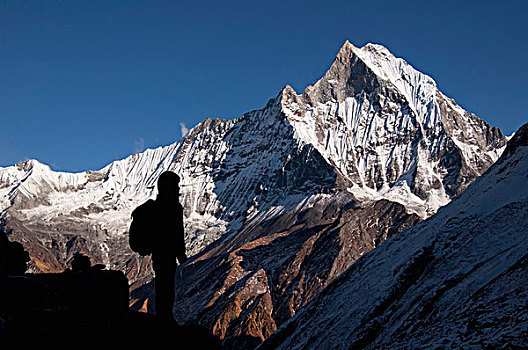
(346, 77)
(29, 163)
(364, 69)
(389, 130)
(346, 44)
(345, 54)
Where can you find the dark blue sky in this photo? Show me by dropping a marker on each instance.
(83, 83)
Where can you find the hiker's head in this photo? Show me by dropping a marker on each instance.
(168, 185)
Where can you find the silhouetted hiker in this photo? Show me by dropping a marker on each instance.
(157, 228)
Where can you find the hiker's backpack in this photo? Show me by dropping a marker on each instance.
(141, 228)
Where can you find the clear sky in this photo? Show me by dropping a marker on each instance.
(83, 83)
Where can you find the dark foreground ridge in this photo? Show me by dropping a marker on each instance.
(85, 307)
(88, 309)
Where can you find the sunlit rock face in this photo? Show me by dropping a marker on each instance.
(318, 178)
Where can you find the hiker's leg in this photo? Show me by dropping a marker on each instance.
(164, 269)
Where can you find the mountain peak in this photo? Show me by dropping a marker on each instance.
(369, 99)
(370, 53)
(287, 89)
(346, 50)
(29, 164)
(364, 69)
(347, 76)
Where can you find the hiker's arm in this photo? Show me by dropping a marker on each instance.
(180, 253)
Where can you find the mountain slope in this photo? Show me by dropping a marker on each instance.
(455, 280)
(245, 287)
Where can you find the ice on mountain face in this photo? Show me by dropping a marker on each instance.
(419, 89)
(26, 184)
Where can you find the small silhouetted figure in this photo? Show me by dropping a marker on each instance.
(80, 262)
(165, 239)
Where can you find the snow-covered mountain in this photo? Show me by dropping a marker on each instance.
(372, 139)
(388, 129)
(457, 280)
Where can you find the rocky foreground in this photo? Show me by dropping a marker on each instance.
(83, 308)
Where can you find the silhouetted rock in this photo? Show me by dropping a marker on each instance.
(83, 307)
(13, 257)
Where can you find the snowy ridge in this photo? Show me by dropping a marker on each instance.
(419, 89)
(31, 179)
